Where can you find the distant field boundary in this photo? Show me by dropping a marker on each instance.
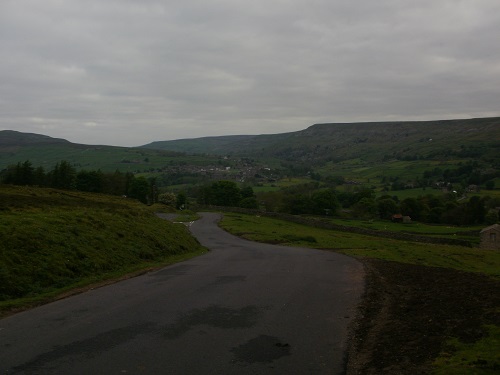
(345, 228)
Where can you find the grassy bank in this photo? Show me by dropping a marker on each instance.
(443, 299)
(54, 241)
(264, 229)
(470, 233)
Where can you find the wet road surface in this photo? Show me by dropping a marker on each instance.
(243, 308)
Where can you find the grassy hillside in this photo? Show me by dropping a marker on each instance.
(342, 141)
(211, 145)
(14, 139)
(46, 152)
(374, 142)
(374, 155)
(53, 240)
(381, 140)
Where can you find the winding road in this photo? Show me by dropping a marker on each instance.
(242, 308)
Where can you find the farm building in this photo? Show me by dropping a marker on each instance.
(490, 237)
(398, 218)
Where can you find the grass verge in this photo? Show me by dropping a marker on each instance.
(430, 309)
(55, 241)
(270, 230)
(470, 234)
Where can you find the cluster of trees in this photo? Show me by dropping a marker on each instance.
(459, 178)
(363, 203)
(311, 198)
(303, 199)
(226, 193)
(178, 201)
(442, 209)
(466, 174)
(465, 151)
(65, 176)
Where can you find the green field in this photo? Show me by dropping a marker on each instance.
(105, 158)
(367, 172)
(457, 358)
(379, 156)
(264, 229)
(278, 185)
(470, 234)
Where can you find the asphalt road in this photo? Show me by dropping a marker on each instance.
(243, 308)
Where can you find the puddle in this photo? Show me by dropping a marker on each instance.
(214, 316)
(261, 349)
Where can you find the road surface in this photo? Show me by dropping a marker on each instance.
(243, 308)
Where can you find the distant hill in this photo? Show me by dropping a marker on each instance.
(315, 146)
(11, 138)
(218, 145)
(341, 141)
(212, 145)
(46, 151)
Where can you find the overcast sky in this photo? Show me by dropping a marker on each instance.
(129, 72)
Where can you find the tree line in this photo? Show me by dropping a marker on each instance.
(363, 203)
(311, 198)
(225, 193)
(64, 176)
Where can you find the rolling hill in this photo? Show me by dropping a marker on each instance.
(15, 140)
(46, 151)
(360, 151)
(342, 141)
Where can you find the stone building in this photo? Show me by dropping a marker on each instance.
(490, 237)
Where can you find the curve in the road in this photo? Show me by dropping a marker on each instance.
(242, 308)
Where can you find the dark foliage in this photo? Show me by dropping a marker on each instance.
(64, 176)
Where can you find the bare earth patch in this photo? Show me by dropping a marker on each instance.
(409, 311)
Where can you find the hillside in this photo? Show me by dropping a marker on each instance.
(411, 139)
(211, 145)
(341, 141)
(318, 143)
(376, 154)
(221, 145)
(54, 239)
(14, 139)
(46, 151)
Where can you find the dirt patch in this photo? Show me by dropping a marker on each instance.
(409, 311)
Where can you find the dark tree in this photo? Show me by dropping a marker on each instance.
(475, 211)
(139, 189)
(63, 176)
(324, 202)
(20, 174)
(249, 202)
(387, 207)
(225, 193)
(297, 204)
(247, 192)
(181, 200)
(91, 181)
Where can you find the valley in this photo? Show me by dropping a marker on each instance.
(365, 190)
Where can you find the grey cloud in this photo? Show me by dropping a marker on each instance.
(130, 72)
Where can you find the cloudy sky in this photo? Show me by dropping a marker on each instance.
(129, 72)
